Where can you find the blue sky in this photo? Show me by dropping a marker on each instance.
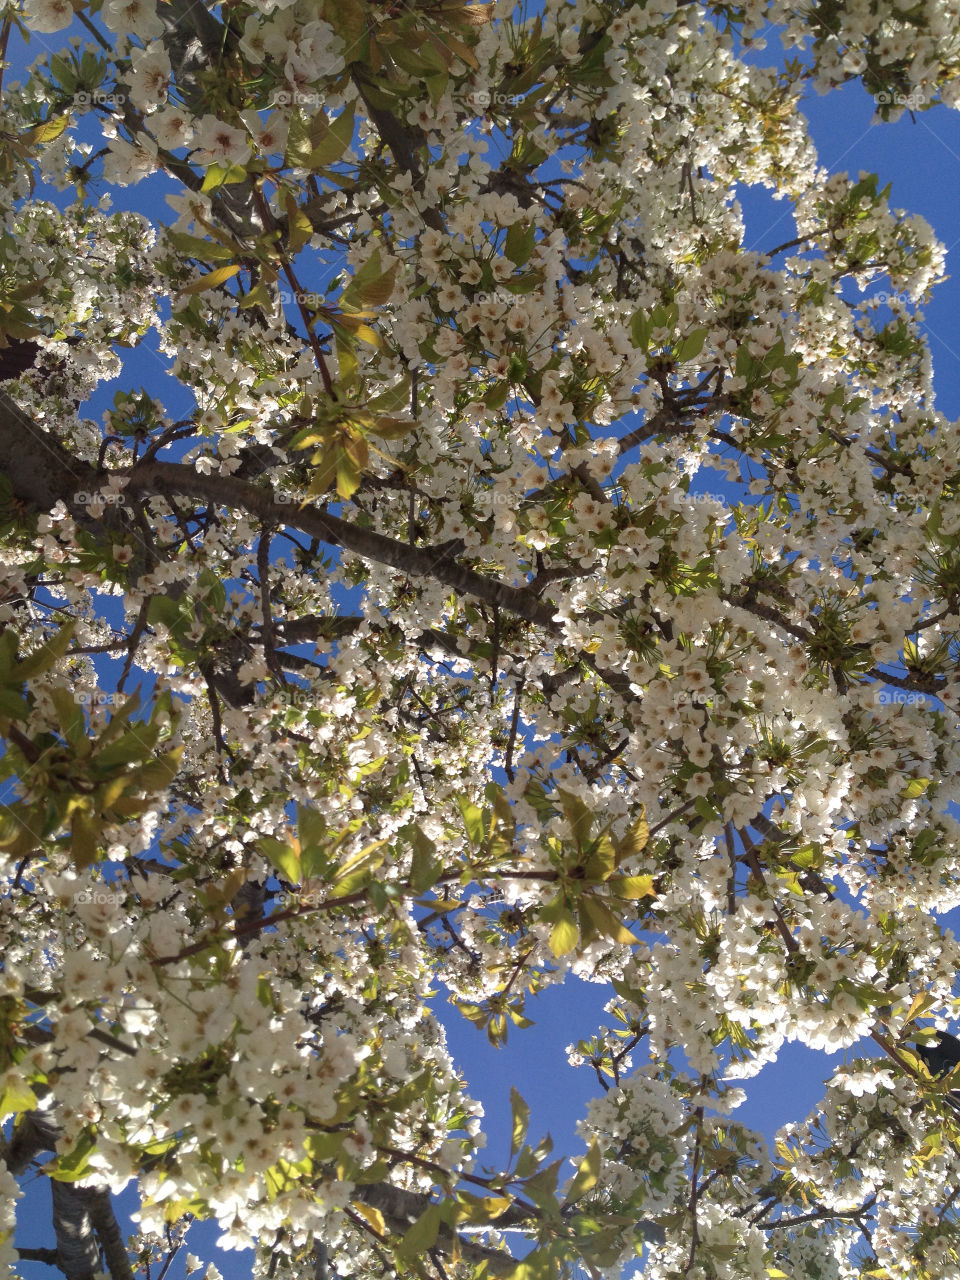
(922, 161)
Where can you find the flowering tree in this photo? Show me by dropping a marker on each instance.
(421, 650)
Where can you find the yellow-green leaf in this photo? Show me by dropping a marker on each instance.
(372, 1216)
(520, 1113)
(564, 935)
(423, 1234)
(914, 788)
(349, 475)
(603, 922)
(587, 1174)
(632, 887)
(284, 856)
(370, 284)
(920, 1004)
(210, 281)
(83, 839)
(219, 175)
(47, 131)
(299, 226)
(17, 1096)
(634, 838)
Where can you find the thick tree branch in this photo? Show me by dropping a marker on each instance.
(170, 477)
(77, 1254)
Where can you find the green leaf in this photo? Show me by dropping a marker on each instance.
(388, 428)
(602, 859)
(84, 846)
(922, 1001)
(210, 281)
(542, 1188)
(478, 1209)
(349, 475)
(329, 141)
(436, 84)
(520, 1113)
(49, 130)
(347, 363)
(73, 1165)
(219, 175)
(12, 705)
(197, 247)
(65, 73)
(705, 809)
(349, 19)
(497, 395)
(519, 243)
(370, 285)
(424, 866)
(564, 935)
(355, 870)
(497, 1030)
(372, 1216)
(283, 857)
(311, 826)
(472, 820)
(579, 816)
(634, 838)
(603, 922)
(640, 327)
(422, 1236)
(158, 774)
(587, 1174)
(282, 1177)
(321, 1146)
(914, 788)
(16, 1097)
(691, 345)
(70, 715)
(299, 226)
(632, 887)
(165, 611)
(538, 1265)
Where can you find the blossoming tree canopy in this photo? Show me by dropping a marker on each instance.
(535, 583)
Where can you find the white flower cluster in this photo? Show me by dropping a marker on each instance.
(460, 468)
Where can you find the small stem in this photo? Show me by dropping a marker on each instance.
(270, 222)
(692, 1205)
(512, 740)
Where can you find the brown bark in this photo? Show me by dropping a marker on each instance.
(81, 1216)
